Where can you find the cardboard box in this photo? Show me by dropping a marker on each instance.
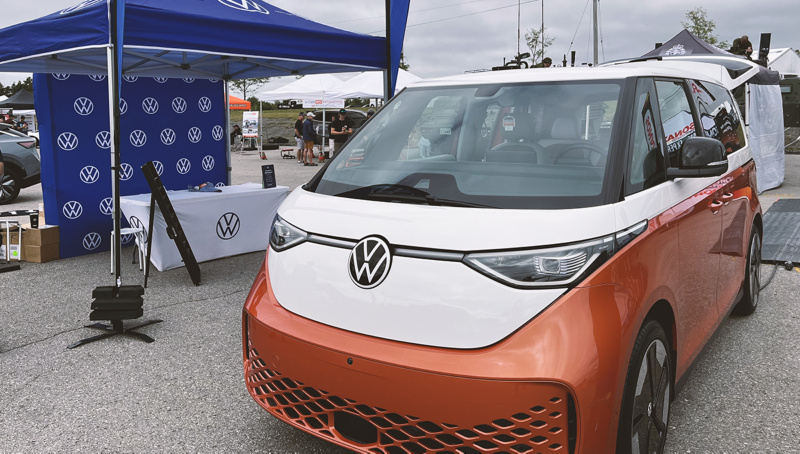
(41, 254)
(44, 235)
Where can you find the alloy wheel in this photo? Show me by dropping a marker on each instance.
(651, 401)
(8, 188)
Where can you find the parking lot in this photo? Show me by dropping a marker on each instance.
(186, 393)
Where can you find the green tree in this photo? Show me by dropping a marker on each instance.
(533, 38)
(12, 89)
(245, 86)
(702, 27)
(403, 62)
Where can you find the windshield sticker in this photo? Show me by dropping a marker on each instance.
(444, 131)
(509, 123)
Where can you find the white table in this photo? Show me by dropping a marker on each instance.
(217, 224)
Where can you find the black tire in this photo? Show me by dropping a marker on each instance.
(644, 417)
(10, 186)
(752, 276)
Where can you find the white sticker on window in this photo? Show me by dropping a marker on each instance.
(509, 123)
(444, 131)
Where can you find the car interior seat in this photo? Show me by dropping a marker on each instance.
(517, 145)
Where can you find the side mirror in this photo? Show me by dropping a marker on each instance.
(700, 157)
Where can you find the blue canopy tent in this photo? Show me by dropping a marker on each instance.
(211, 39)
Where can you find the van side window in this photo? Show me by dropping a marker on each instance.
(718, 114)
(646, 159)
(676, 116)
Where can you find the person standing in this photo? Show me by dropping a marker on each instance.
(298, 136)
(370, 113)
(341, 130)
(309, 136)
(22, 125)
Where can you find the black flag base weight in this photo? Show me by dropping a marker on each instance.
(117, 304)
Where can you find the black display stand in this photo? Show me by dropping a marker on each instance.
(174, 229)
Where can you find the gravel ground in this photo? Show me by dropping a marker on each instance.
(186, 393)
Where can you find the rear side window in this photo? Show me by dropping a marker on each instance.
(718, 116)
(676, 116)
(646, 160)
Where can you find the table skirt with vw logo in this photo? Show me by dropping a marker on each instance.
(217, 224)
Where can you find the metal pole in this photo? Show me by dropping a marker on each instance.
(594, 31)
(260, 126)
(542, 32)
(112, 54)
(228, 129)
(387, 83)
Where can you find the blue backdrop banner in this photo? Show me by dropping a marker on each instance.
(179, 124)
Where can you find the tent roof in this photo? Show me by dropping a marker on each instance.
(317, 86)
(23, 99)
(785, 60)
(370, 85)
(685, 43)
(235, 103)
(188, 38)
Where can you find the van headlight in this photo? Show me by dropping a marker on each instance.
(551, 267)
(283, 235)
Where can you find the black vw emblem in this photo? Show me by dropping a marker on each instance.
(251, 6)
(83, 106)
(204, 104)
(369, 262)
(179, 105)
(168, 136)
(136, 223)
(60, 76)
(228, 226)
(107, 206)
(159, 167)
(125, 171)
(67, 141)
(97, 77)
(123, 106)
(217, 133)
(183, 166)
(138, 138)
(91, 241)
(150, 106)
(72, 210)
(130, 78)
(160, 80)
(208, 163)
(195, 135)
(90, 174)
(103, 139)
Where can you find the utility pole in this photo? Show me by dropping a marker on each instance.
(542, 33)
(594, 31)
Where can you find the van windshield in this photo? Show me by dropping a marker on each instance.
(522, 146)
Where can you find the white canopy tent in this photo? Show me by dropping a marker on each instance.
(370, 84)
(785, 61)
(314, 86)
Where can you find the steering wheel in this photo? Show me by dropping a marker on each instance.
(580, 146)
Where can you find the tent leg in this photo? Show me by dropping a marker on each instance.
(113, 106)
(228, 131)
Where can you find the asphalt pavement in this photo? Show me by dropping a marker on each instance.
(186, 392)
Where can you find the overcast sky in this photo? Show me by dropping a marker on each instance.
(629, 28)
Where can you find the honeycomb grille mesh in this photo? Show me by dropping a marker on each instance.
(540, 429)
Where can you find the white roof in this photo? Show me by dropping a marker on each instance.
(370, 85)
(784, 60)
(314, 86)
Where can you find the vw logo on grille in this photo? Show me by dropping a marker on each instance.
(219, 185)
(159, 167)
(213, 81)
(138, 224)
(150, 106)
(82, 5)
(125, 171)
(60, 76)
(90, 174)
(183, 166)
(138, 138)
(97, 77)
(83, 106)
(208, 163)
(204, 104)
(179, 105)
(228, 226)
(123, 106)
(369, 262)
(67, 141)
(188, 80)
(130, 78)
(72, 210)
(195, 135)
(103, 139)
(251, 6)
(91, 241)
(217, 133)
(107, 206)
(160, 80)
(168, 136)
(125, 239)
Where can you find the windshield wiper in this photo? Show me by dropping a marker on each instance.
(408, 194)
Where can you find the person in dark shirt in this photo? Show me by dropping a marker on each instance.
(237, 131)
(742, 46)
(546, 63)
(309, 136)
(7, 120)
(22, 125)
(298, 136)
(341, 130)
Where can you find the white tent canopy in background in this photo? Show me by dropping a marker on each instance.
(785, 61)
(314, 86)
(370, 85)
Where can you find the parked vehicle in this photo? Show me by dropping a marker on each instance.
(357, 116)
(519, 261)
(21, 162)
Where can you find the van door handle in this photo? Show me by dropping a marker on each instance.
(715, 206)
(727, 197)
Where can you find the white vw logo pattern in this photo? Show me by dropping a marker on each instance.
(72, 210)
(167, 136)
(179, 105)
(208, 163)
(97, 77)
(90, 174)
(125, 239)
(188, 80)
(60, 76)
(159, 167)
(183, 166)
(123, 106)
(125, 171)
(204, 104)
(107, 206)
(160, 80)
(195, 135)
(219, 185)
(91, 241)
(138, 138)
(213, 81)
(130, 78)
(251, 6)
(150, 106)
(83, 106)
(82, 5)
(217, 133)
(67, 141)
(103, 139)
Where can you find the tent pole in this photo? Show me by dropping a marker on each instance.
(228, 129)
(387, 82)
(114, 160)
